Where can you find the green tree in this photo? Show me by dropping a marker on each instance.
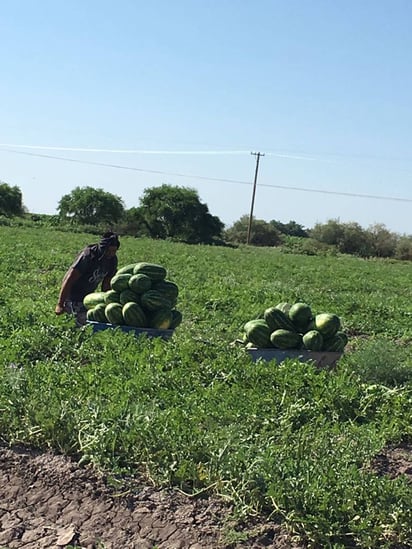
(383, 241)
(87, 205)
(290, 229)
(11, 200)
(176, 213)
(262, 233)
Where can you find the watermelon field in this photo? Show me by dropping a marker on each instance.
(287, 442)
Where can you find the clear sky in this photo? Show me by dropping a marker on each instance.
(181, 92)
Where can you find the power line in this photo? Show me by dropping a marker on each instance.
(204, 178)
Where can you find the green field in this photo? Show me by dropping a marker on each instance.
(290, 441)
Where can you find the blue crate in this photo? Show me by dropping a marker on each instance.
(150, 332)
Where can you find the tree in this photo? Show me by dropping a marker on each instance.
(91, 206)
(176, 213)
(10, 200)
(262, 233)
(290, 229)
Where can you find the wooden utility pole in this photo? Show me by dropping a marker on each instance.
(258, 155)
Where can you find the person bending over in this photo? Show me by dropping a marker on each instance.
(95, 264)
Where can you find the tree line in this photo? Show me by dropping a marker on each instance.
(177, 213)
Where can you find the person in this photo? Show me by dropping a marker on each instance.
(95, 264)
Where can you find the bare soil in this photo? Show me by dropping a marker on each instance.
(49, 501)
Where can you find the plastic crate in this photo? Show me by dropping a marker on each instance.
(322, 359)
(150, 332)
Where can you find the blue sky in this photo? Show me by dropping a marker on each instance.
(188, 89)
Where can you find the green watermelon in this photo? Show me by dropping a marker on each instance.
(336, 343)
(99, 313)
(258, 332)
(167, 288)
(177, 318)
(90, 314)
(285, 339)
(327, 324)
(276, 319)
(301, 315)
(152, 270)
(120, 282)
(152, 300)
(128, 295)
(112, 297)
(127, 269)
(113, 312)
(133, 315)
(140, 283)
(93, 299)
(313, 340)
(284, 307)
(161, 319)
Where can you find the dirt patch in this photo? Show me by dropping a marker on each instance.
(48, 501)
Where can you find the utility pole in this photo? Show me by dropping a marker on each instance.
(258, 155)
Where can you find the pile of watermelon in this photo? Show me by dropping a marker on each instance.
(295, 326)
(140, 296)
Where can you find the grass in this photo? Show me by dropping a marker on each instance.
(290, 441)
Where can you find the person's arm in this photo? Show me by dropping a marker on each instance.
(106, 283)
(69, 279)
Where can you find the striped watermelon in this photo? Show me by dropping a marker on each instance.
(93, 299)
(113, 312)
(112, 297)
(152, 270)
(276, 319)
(285, 339)
(177, 319)
(133, 315)
(140, 283)
(258, 332)
(161, 319)
(120, 282)
(152, 300)
(127, 269)
(313, 340)
(128, 295)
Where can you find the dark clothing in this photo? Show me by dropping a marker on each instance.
(94, 266)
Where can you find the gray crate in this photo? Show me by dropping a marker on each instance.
(322, 359)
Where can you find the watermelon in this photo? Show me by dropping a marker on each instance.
(127, 269)
(140, 283)
(113, 312)
(152, 270)
(99, 313)
(284, 307)
(276, 319)
(313, 340)
(301, 315)
(177, 318)
(336, 343)
(327, 324)
(133, 315)
(161, 319)
(258, 332)
(120, 282)
(152, 300)
(167, 288)
(93, 299)
(285, 339)
(128, 295)
(90, 314)
(112, 297)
